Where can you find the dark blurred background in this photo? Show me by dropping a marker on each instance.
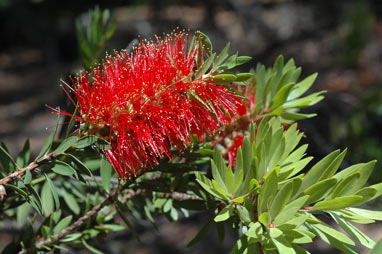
(342, 40)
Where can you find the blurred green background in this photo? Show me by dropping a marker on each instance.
(342, 40)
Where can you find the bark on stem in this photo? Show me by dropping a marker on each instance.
(32, 166)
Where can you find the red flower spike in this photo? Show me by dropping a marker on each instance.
(148, 101)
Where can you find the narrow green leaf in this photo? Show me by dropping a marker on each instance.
(22, 213)
(106, 169)
(289, 211)
(27, 177)
(224, 214)
(62, 224)
(375, 215)
(71, 202)
(53, 190)
(377, 248)
(65, 145)
(280, 200)
(91, 248)
(338, 203)
(318, 190)
(342, 187)
(268, 189)
(24, 156)
(6, 160)
(243, 77)
(243, 214)
(283, 245)
(334, 233)
(222, 56)
(45, 148)
(316, 171)
(354, 232)
(62, 168)
(47, 199)
(281, 96)
(85, 141)
(302, 86)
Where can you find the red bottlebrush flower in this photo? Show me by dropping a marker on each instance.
(148, 101)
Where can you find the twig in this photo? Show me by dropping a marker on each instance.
(111, 197)
(32, 166)
(51, 240)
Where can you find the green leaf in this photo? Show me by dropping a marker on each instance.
(91, 248)
(85, 141)
(53, 190)
(62, 168)
(16, 189)
(223, 78)
(22, 213)
(295, 222)
(318, 190)
(224, 214)
(365, 170)
(275, 232)
(296, 116)
(302, 86)
(47, 199)
(62, 224)
(280, 200)
(374, 215)
(206, 42)
(315, 172)
(242, 60)
(281, 96)
(27, 177)
(110, 227)
(222, 56)
(267, 191)
(255, 230)
(106, 169)
(45, 148)
(354, 232)
(243, 76)
(289, 211)
(377, 248)
(342, 187)
(71, 202)
(334, 233)
(355, 217)
(335, 242)
(81, 166)
(243, 214)
(6, 160)
(201, 233)
(230, 181)
(283, 245)
(65, 145)
(338, 203)
(24, 156)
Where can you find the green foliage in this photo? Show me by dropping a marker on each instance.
(278, 93)
(272, 197)
(98, 31)
(277, 204)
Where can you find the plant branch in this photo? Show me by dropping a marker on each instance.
(111, 197)
(32, 166)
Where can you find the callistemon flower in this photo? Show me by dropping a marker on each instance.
(151, 100)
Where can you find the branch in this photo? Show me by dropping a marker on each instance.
(111, 197)
(32, 166)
